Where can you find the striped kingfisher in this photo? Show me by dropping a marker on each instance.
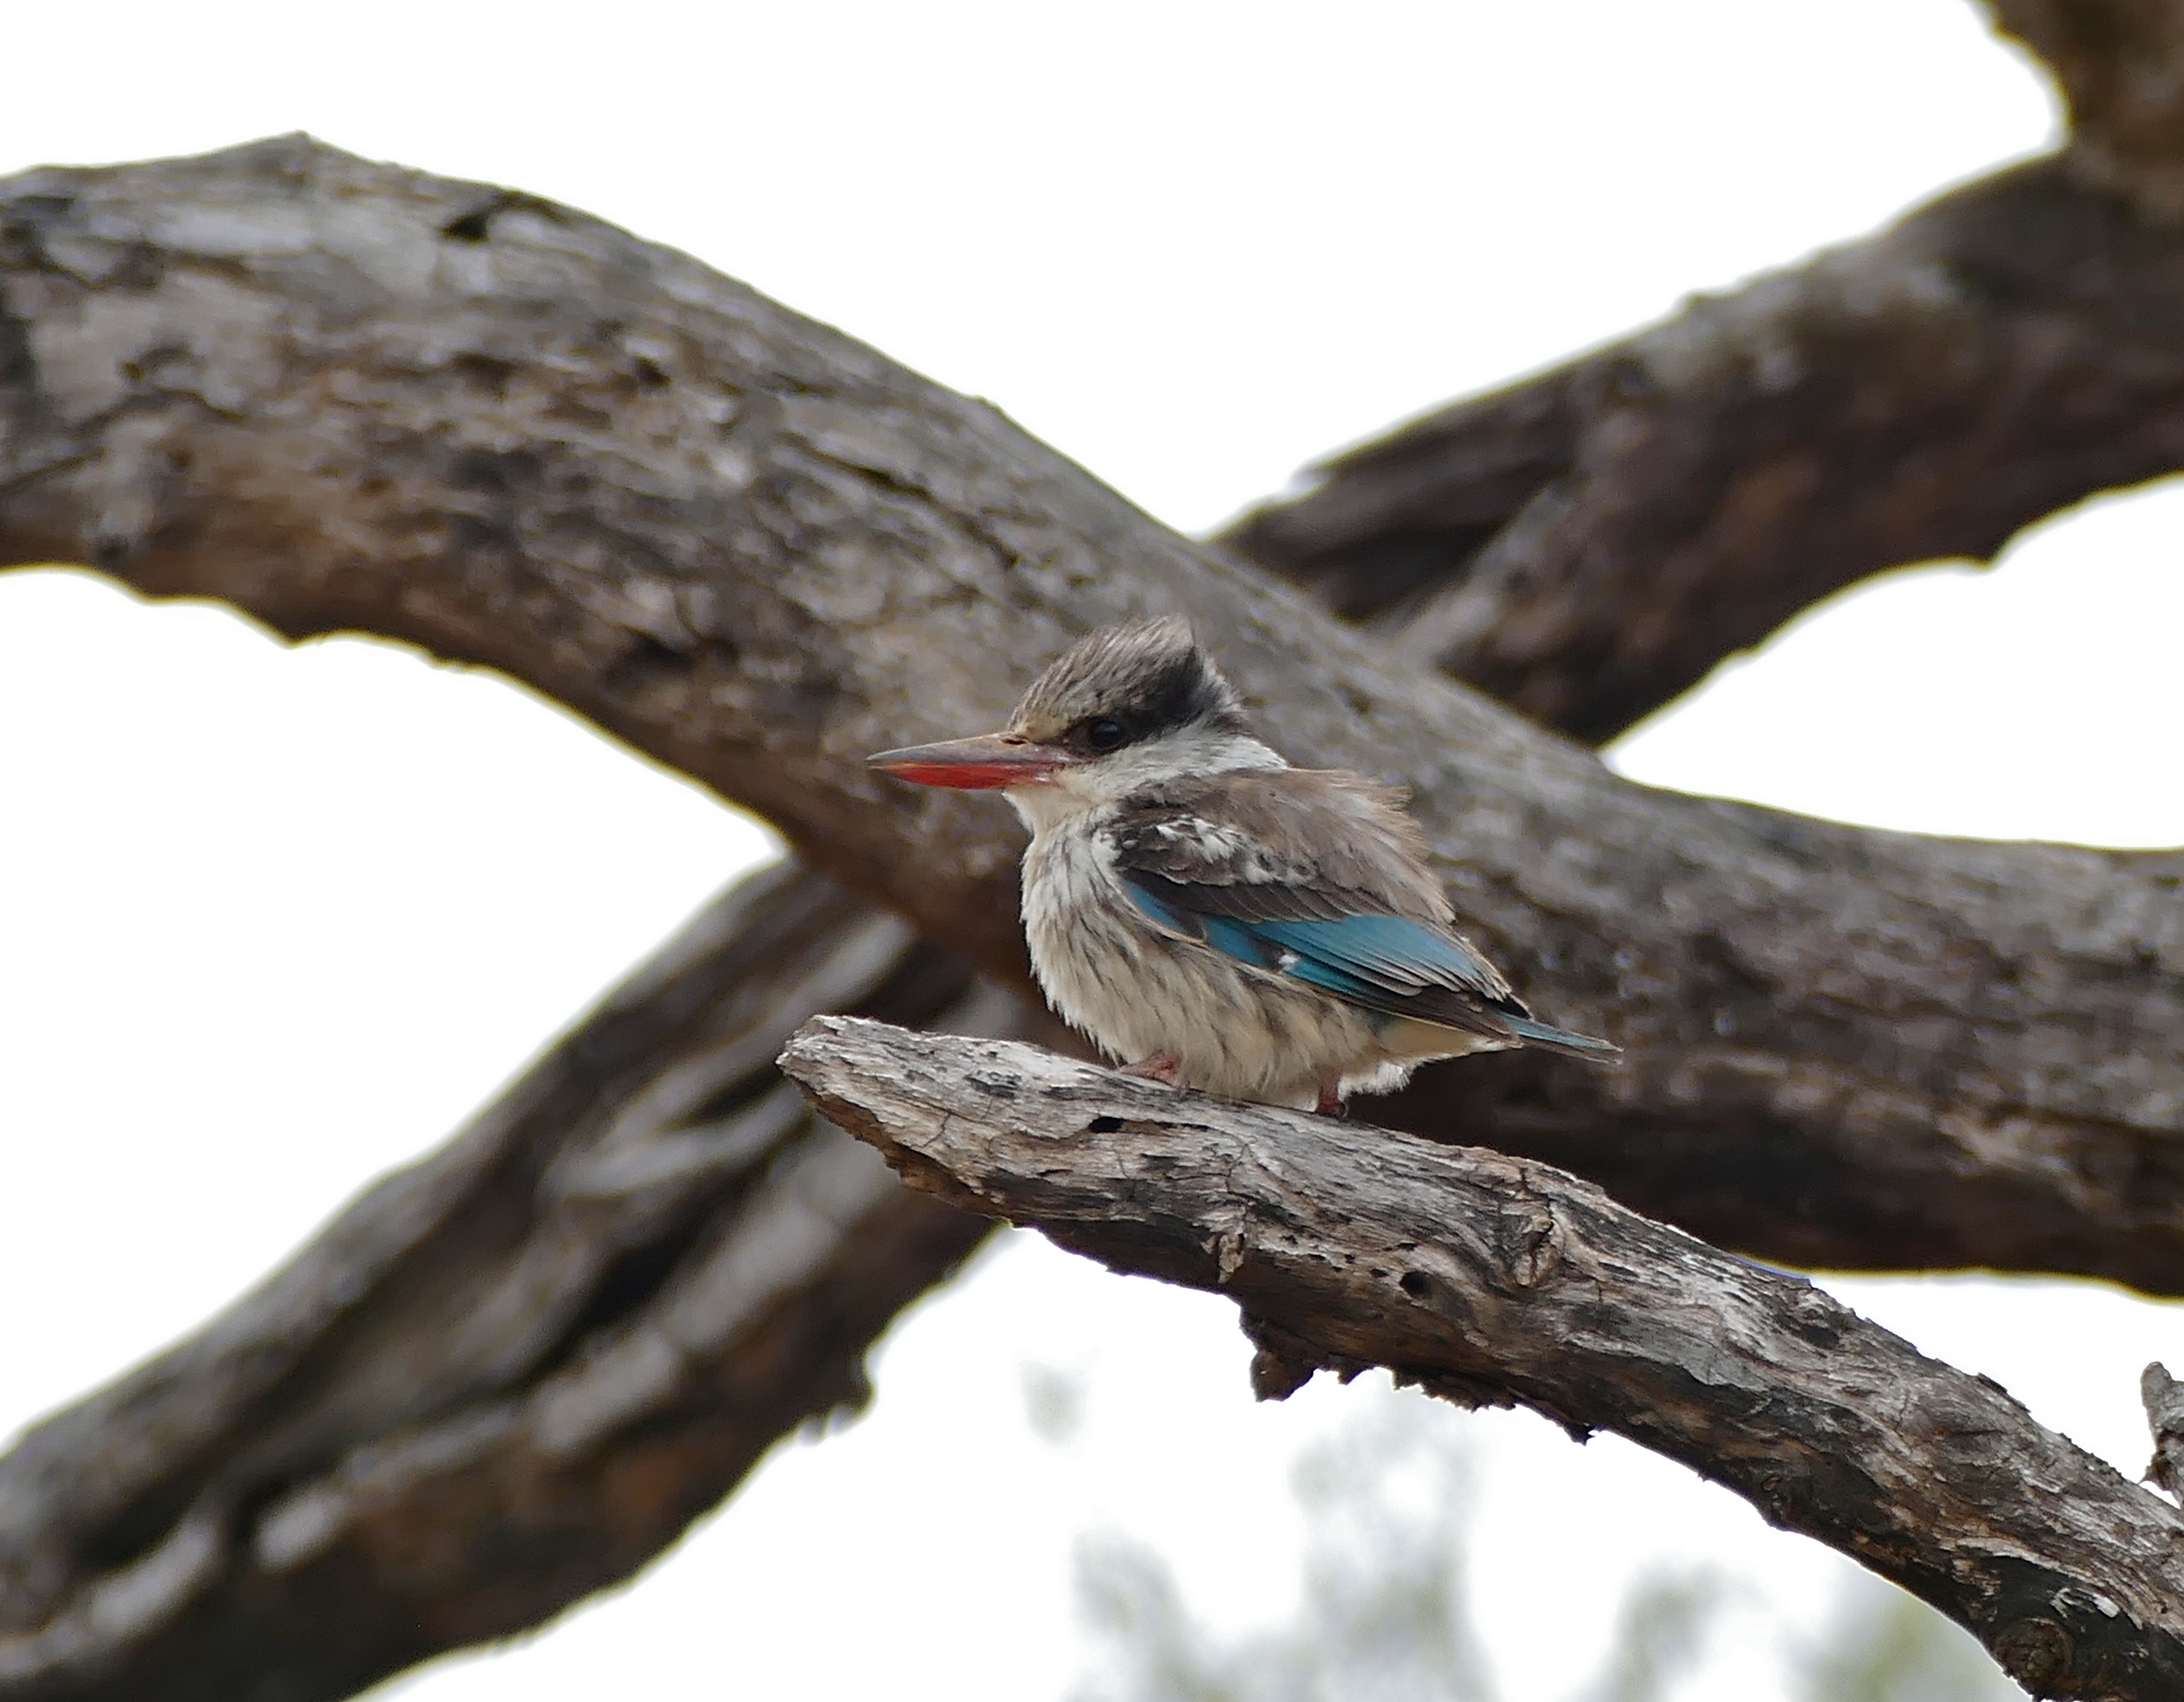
(1210, 916)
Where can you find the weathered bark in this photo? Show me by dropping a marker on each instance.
(512, 1373)
(1491, 1281)
(344, 397)
(1589, 543)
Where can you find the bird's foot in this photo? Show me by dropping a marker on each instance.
(1330, 1100)
(1162, 1067)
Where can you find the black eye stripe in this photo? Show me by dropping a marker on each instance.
(1096, 735)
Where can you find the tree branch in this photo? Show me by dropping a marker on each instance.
(510, 1373)
(1587, 544)
(1491, 1280)
(344, 397)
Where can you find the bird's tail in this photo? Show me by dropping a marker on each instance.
(1562, 1041)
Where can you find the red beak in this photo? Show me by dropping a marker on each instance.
(981, 764)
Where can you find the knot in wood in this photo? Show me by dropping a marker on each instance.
(2037, 1653)
(1527, 1241)
(1813, 1316)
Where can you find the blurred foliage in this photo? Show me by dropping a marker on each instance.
(1054, 1403)
(1660, 1636)
(1882, 1645)
(1384, 1616)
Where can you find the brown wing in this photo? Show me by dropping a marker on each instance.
(1320, 830)
(1330, 896)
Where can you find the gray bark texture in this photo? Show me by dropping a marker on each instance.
(1494, 1280)
(346, 397)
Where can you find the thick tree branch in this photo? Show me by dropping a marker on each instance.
(344, 397)
(1491, 1281)
(509, 1374)
(1586, 543)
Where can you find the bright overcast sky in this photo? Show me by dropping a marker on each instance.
(272, 920)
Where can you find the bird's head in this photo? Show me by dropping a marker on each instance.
(1123, 708)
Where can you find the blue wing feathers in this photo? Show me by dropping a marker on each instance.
(1167, 915)
(1559, 1039)
(1224, 885)
(1242, 940)
(1329, 979)
(1387, 949)
(1379, 960)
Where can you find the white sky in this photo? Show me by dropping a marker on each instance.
(272, 920)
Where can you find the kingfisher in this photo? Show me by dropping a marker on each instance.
(1210, 916)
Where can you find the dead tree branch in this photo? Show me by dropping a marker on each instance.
(509, 1374)
(346, 397)
(1491, 1281)
(1587, 544)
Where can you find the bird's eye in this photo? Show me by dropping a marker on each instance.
(1104, 735)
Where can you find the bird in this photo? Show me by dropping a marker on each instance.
(1210, 916)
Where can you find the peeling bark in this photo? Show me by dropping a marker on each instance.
(1491, 1280)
